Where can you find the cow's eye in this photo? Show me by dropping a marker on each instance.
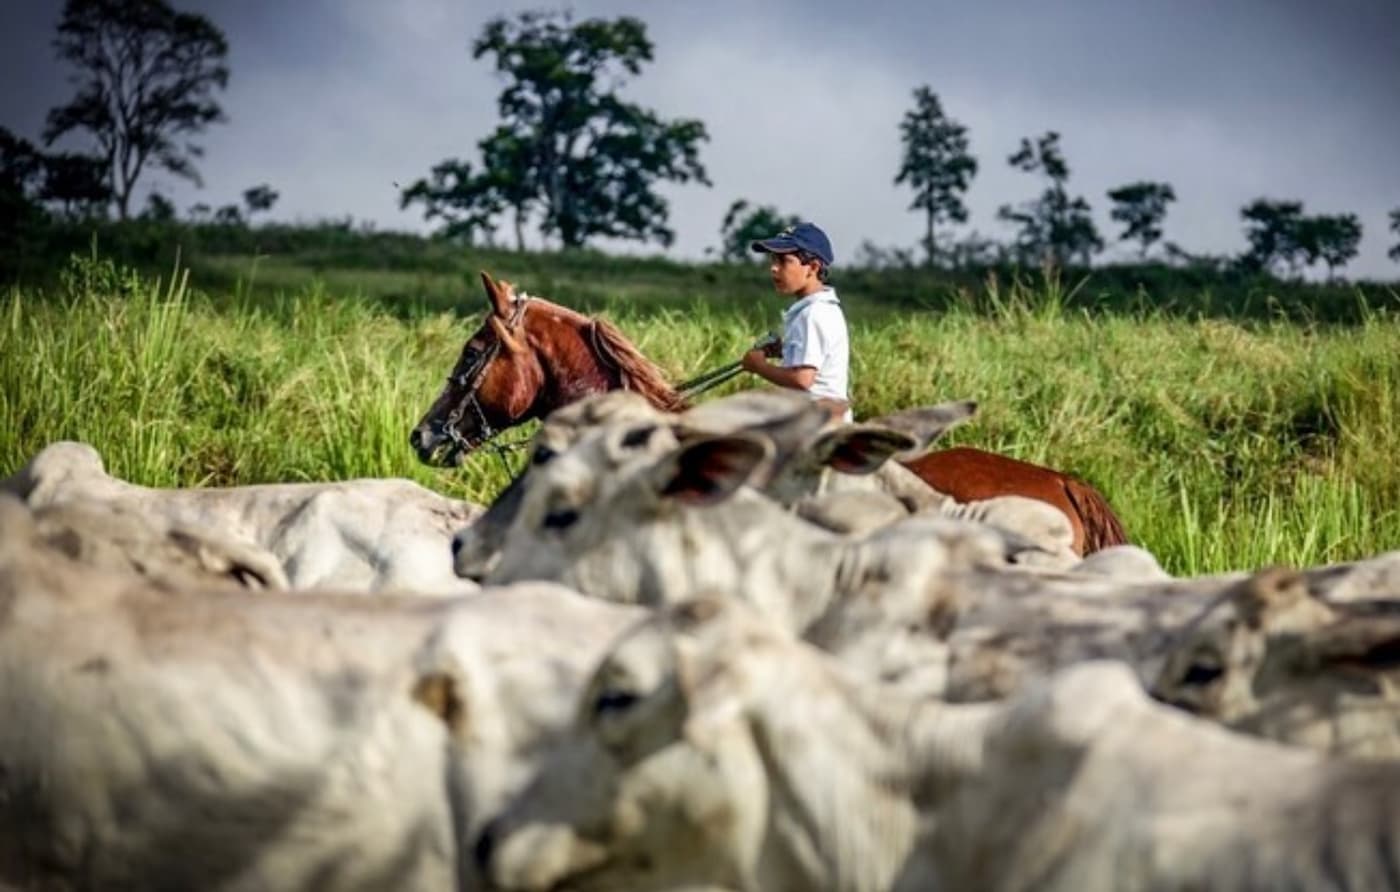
(560, 519)
(1203, 672)
(638, 436)
(542, 454)
(614, 702)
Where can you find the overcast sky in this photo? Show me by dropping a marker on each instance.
(333, 102)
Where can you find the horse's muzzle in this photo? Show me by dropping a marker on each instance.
(434, 447)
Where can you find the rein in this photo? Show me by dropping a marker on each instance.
(715, 377)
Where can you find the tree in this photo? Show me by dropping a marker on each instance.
(259, 199)
(159, 209)
(21, 179)
(1272, 228)
(229, 215)
(1141, 207)
(21, 171)
(465, 202)
(1054, 227)
(936, 164)
(744, 224)
(146, 78)
(1335, 240)
(568, 145)
(1394, 252)
(77, 184)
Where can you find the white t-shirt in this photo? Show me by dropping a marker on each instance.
(814, 334)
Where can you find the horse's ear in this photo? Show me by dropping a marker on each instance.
(497, 296)
(506, 336)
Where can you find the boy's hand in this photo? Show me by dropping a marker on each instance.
(755, 359)
(771, 345)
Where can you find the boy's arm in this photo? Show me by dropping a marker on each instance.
(800, 377)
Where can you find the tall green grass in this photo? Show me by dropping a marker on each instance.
(1223, 445)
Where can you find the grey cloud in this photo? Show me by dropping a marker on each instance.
(333, 102)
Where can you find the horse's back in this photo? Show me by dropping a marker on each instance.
(966, 474)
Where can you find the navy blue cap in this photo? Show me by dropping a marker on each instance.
(802, 237)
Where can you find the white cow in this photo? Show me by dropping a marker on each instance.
(217, 741)
(361, 535)
(113, 536)
(928, 601)
(840, 478)
(663, 531)
(711, 750)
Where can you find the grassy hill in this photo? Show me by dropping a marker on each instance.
(1233, 422)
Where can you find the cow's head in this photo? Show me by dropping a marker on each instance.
(662, 784)
(603, 517)
(1273, 658)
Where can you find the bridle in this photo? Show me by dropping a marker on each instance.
(470, 380)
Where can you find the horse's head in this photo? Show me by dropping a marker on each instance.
(493, 386)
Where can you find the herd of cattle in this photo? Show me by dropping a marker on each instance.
(738, 648)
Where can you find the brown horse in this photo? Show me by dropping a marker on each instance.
(531, 357)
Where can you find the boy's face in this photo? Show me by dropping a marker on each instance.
(790, 275)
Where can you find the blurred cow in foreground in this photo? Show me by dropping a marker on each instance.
(712, 750)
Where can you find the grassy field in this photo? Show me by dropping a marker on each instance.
(1226, 440)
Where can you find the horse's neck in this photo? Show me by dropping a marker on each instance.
(571, 370)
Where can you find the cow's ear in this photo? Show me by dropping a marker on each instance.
(927, 423)
(1354, 640)
(1278, 599)
(709, 470)
(498, 295)
(860, 448)
(248, 565)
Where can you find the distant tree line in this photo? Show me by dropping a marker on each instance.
(570, 156)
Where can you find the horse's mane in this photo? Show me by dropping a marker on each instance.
(638, 373)
(611, 347)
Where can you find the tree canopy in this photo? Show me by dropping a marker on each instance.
(936, 164)
(259, 199)
(1394, 252)
(1333, 239)
(1053, 227)
(569, 148)
(146, 77)
(1141, 207)
(745, 224)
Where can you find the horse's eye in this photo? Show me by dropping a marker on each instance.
(561, 519)
(542, 454)
(614, 701)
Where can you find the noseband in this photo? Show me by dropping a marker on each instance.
(470, 380)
